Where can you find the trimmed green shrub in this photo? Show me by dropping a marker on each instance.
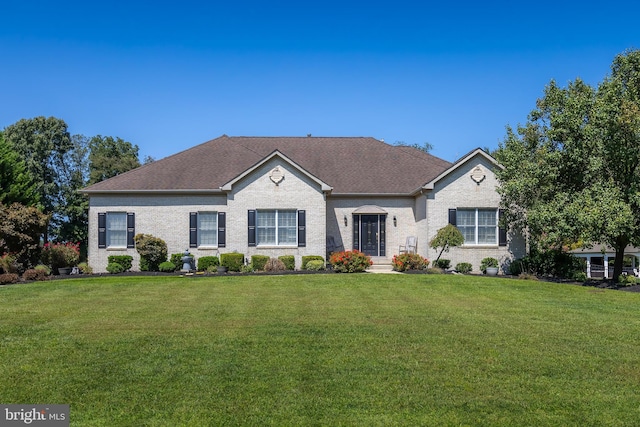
(152, 250)
(464, 267)
(212, 269)
(307, 258)
(289, 261)
(246, 269)
(233, 261)
(8, 278)
(406, 261)
(33, 274)
(204, 262)
(124, 260)
(488, 262)
(443, 263)
(114, 268)
(258, 262)
(274, 264)
(167, 267)
(350, 261)
(315, 265)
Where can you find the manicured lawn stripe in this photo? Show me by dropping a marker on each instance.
(357, 349)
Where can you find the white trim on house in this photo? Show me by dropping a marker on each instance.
(431, 184)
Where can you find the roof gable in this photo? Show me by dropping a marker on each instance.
(463, 160)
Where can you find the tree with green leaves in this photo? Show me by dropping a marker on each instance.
(20, 230)
(572, 173)
(16, 183)
(42, 143)
(109, 157)
(447, 237)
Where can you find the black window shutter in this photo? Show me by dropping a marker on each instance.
(131, 229)
(193, 229)
(302, 229)
(252, 228)
(502, 229)
(102, 230)
(453, 217)
(222, 229)
(356, 232)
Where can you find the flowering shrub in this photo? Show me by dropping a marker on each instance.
(407, 261)
(350, 261)
(59, 255)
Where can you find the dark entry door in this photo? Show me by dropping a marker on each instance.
(370, 234)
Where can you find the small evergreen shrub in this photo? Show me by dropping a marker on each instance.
(204, 262)
(125, 261)
(274, 264)
(289, 261)
(435, 270)
(258, 262)
(443, 263)
(233, 261)
(8, 278)
(488, 262)
(464, 267)
(307, 258)
(167, 267)
(115, 268)
(246, 269)
(152, 250)
(315, 265)
(350, 261)
(408, 261)
(212, 268)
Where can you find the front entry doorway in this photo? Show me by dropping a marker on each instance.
(369, 234)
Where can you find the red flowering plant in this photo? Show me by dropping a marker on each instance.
(407, 261)
(350, 261)
(57, 255)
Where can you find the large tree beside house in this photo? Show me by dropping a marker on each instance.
(572, 172)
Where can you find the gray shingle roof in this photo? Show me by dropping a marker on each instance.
(350, 165)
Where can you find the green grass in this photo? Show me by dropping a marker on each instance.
(333, 350)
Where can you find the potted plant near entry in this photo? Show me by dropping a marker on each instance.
(489, 266)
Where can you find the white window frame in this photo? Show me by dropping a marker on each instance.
(477, 226)
(110, 230)
(214, 231)
(278, 229)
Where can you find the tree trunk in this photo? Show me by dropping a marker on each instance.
(620, 246)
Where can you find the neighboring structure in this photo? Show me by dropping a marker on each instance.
(289, 195)
(599, 260)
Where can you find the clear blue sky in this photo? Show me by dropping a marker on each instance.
(169, 75)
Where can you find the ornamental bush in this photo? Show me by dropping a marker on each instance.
(443, 263)
(258, 262)
(315, 265)
(205, 262)
(9, 263)
(33, 274)
(152, 250)
(350, 261)
(289, 261)
(57, 255)
(8, 278)
(488, 262)
(124, 260)
(307, 258)
(167, 267)
(114, 268)
(464, 267)
(406, 261)
(233, 261)
(274, 264)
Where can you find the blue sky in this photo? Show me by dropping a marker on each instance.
(169, 75)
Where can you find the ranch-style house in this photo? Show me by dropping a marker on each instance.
(302, 196)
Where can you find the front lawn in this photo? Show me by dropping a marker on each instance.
(340, 349)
